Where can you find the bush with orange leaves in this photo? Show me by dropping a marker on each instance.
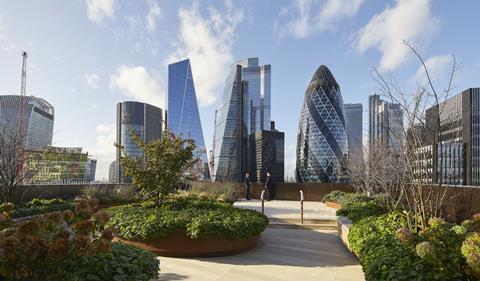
(44, 247)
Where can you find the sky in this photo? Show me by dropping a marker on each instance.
(87, 55)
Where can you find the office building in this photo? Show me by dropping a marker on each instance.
(354, 117)
(385, 126)
(59, 165)
(269, 155)
(183, 115)
(112, 172)
(38, 119)
(245, 110)
(455, 141)
(322, 142)
(141, 118)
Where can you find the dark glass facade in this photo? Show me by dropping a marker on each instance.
(183, 115)
(39, 117)
(322, 131)
(354, 115)
(144, 119)
(269, 155)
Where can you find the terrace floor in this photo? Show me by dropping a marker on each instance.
(282, 253)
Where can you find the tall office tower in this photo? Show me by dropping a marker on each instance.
(456, 140)
(385, 125)
(258, 95)
(112, 176)
(269, 155)
(354, 115)
(183, 115)
(91, 170)
(322, 142)
(144, 119)
(245, 110)
(39, 117)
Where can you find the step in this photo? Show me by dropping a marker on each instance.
(312, 226)
(332, 221)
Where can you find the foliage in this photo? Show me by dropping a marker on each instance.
(160, 172)
(199, 218)
(334, 196)
(225, 191)
(471, 251)
(107, 194)
(122, 262)
(356, 211)
(42, 206)
(354, 198)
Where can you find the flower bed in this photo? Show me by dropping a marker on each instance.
(390, 247)
(194, 221)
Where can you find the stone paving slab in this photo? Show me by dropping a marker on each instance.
(281, 209)
(282, 254)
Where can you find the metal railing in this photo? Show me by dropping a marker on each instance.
(263, 201)
(301, 205)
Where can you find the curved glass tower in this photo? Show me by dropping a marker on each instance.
(322, 144)
(39, 117)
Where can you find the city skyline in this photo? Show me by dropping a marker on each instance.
(121, 50)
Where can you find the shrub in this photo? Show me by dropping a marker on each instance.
(334, 196)
(36, 202)
(198, 218)
(42, 206)
(108, 194)
(355, 210)
(225, 192)
(371, 228)
(355, 197)
(122, 262)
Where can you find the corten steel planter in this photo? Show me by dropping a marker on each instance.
(333, 205)
(178, 244)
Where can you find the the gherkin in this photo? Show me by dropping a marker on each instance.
(322, 143)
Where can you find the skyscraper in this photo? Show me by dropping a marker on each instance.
(141, 118)
(385, 125)
(39, 117)
(354, 115)
(322, 143)
(245, 111)
(455, 142)
(269, 155)
(183, 115)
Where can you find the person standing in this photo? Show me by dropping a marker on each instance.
(268, 186)
(248, 185)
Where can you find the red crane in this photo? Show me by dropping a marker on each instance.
(21, 150)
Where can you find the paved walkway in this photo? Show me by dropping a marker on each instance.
(282, 254)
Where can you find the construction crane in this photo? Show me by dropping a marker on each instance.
(21, 149)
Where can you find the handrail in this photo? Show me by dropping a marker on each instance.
(263, 201)
(301, 204)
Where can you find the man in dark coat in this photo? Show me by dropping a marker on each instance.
(269, 186)
(248, 185)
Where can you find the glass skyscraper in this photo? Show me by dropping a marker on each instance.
(245, 110)
(354, 115)
(39, 117)
(183, 116)
(141, 118)
(322, 143)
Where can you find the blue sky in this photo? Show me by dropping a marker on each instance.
(86, 55)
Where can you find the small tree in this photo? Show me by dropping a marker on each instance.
(163, 166)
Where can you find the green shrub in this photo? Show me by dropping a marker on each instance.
(355, 197)
(108, 194)
(36, 202)
(355, 210)
(225, 192)
(198, 218)
(372, 228)
(122, 262)
(334, 196)
(42, 206)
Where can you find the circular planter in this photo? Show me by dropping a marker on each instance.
(178, 244)
(333, 205)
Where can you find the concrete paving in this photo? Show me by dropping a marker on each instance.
(282, 254)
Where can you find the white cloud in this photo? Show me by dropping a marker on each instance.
(97, 10)
(439, 67)
(409, 20)
(290, 160)
(92, 80)
(207, 41)
(136, 82)
(153, 14)
(306, 17)
(3, 36)
(8, 47)
(104, 150)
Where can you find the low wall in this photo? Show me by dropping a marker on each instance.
(311, 191)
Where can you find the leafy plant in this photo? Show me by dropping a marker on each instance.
(42, 206)
(160, 171)
(356, 211)
(334, 196)
(107, 194)
(225, 191)
(198, 218)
